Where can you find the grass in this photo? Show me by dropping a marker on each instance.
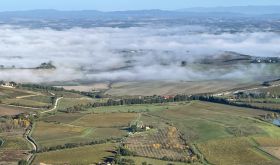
(14, 143)
(76, 128)
(233, 151)
(261, 100)
(25, 98)
(13, 149)
(8, 111)
(164, 142)
(131, 108)
(150, 88)
(200, 121)
(51, 134)
(65, 118)
(43, 99)
(67, 94)
(13, 93)
(25, 102)
(222, 133)
(140, 160)
(82, 155)
(269, 145)
(268, 141)
(266, 105)
(71, 102)
(271, 90)
(106, 120)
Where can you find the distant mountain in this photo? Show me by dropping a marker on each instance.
(249, 10)
(224, 19)
(92, 14)
(49, 14)
(231, 58)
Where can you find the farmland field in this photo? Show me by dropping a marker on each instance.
(172, 87)
(274, 151)
(180, 131)
(131, 108)
(200, 121)
(140, 160)
(270, 145)
(10, 110)
(87, 87)
(26, 103)
(82, 155)
(234, 151)
(24, 98)
(59, 130)
(13, 149)
(106, 120)
(217, 129)
(71, 102)
(164, 142)
(13, 93)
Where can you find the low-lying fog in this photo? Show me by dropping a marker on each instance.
(138, 53)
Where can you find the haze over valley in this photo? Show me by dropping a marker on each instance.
(135, 53)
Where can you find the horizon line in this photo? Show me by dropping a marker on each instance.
(105, 11)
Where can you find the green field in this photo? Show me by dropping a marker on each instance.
(200, 121)
(219, 134)
(81, 155)
(151, 88)
(26, 103)
(10, 110)
(77, 128)
(220, 130)
(25, 98)
(140, 160)
(131, 108)
(207, 125)
(14, 147)
(234, 151)
(13, 93)
(71, 102)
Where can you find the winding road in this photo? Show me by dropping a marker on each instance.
(55, 106)
(34, 146)
(27, 135)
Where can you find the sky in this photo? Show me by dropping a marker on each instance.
(114, 5)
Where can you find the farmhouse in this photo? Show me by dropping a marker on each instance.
(8, 84)
(166, 97)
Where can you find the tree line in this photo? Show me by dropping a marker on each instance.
(74, 145)
(161, 99)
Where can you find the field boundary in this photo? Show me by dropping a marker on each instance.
(259, 149)
(198, 152)
(1, 142)
(33, 143)
(24, 107)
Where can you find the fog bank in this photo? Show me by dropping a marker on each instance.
(137, 53)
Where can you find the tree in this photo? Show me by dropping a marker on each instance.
(53, 99)
(22, 162)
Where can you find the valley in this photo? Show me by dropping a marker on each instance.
(122, 127)
(150, 85)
